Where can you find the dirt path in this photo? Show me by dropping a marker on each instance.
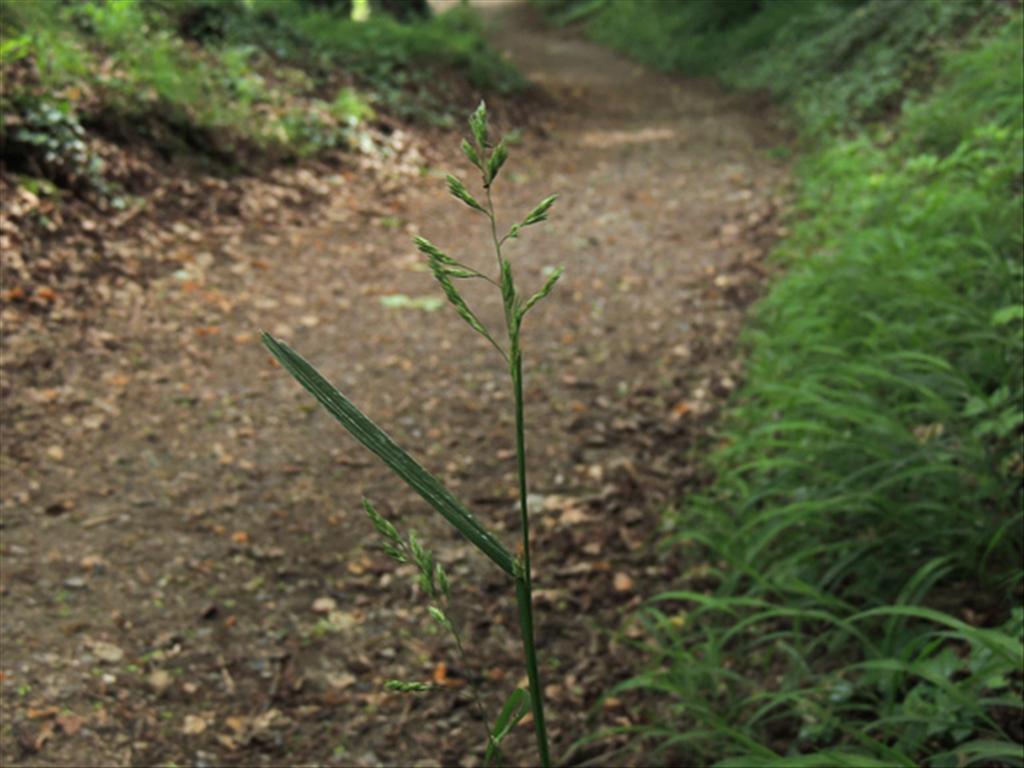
(173, 505)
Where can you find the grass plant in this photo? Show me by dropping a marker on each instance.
(488, 158)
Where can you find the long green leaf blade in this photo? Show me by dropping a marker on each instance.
(1004, 645)
(400, 462)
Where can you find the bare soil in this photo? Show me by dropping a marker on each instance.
(173, 504)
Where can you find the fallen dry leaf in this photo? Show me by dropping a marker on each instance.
(324, 605)
(159, 680)
(680, 409)
(70, 723)
(341, 681)
(227, 742)
(573, 516)
(34, 713)
(193, 725)
(341, 621)
(45, 732)
(105, 651)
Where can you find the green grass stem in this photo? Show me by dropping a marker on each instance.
(524, 583)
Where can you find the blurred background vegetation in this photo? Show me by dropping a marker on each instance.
(229, 80)
(855, 595)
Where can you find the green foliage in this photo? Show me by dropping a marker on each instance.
(980, 88)
(868, 494)
(350, 107)
(517, 706)
(403, 65)
(836, 63)
(220, 76)
(384, 50)
(50, 142)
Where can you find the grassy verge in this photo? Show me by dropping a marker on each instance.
(860, 602)
(835, 63)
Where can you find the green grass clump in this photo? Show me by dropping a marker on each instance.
(861, 602)
(131, 66)
(235, 79)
